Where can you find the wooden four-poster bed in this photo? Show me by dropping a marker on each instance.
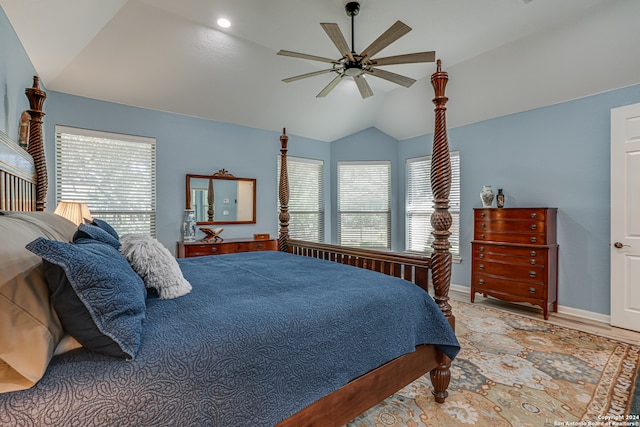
(75, 387)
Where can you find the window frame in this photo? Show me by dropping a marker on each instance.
(425, 208)
(342, 214)
(141, 218)
(318, 170)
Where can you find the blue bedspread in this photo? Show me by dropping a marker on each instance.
(261, 336)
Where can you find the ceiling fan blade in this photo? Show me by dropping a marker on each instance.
(394, 32)
(336, 36)
(363, 86)
(305, 56)
(409, 58)
(392, 77)
(304, 76)
(328, 88)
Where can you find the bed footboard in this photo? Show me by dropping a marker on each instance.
(414, 268)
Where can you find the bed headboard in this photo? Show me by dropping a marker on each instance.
(23, 174)
(17, 177)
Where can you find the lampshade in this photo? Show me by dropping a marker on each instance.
(76, 212)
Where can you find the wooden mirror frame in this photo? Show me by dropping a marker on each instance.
(221, 175)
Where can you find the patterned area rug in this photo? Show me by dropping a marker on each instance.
(516, 371)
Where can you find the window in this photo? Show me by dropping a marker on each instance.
(306, 201)
(364, 204)
(420, 205)
(115, 174)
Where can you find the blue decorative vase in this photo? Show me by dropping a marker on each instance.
(189, 226)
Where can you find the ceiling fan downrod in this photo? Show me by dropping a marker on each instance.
(352, 8)
(353, 68)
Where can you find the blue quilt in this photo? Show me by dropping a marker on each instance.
(261, 336)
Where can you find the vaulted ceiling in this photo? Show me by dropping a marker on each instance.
(502, 56)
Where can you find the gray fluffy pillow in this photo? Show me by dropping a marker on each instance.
(155, 264)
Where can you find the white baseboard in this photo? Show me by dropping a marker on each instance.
(589, 315)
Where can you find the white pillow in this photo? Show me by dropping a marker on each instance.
(155, 264)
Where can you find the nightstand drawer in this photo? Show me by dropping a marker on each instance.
(210, 249)
(266, 245)
(228, 246)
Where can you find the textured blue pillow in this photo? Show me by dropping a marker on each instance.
(99, 298)
(88, 231)
(106, 227)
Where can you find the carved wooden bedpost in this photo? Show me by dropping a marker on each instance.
(441, 222)
(283, 191)
(36, 98)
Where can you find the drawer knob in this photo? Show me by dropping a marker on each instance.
(259, 245)
(532, 253)
(481, 266)
(481, 248)
(532, 290)
(483, 225)
(534, 226)
(533, 215)
(532, 262)
(532, 274)
(481, 256)
(481, 281)
(482, 214)
(214, 249)
(482, 236)
(534, 239)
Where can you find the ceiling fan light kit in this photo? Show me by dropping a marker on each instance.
(356, 65)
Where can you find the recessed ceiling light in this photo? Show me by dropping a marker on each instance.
(224, 22)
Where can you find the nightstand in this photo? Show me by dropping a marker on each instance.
(228, 246)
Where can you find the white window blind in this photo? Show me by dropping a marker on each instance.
(306, 198)
(114, 174)
(364, 204)
(420, 205)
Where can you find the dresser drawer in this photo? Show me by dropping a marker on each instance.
(504, 287)
(536, 214)
(534, 226)
(210, 249)
(511, 226)
(520, 255)
(267, 245)
(522, 238)
(496, 251)
(512, 271)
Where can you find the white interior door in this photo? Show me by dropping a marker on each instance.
(625, 217)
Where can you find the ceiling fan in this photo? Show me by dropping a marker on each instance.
(358, 65)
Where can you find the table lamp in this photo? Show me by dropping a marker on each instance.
(76, 212)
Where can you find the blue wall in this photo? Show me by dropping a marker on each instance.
(555, 156)
(186, 145)
(16, 74)
(367, 145)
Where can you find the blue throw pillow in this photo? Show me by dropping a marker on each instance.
(88, 231)
(99, 298)
(106, 227)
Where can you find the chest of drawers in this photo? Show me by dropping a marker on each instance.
(228, 246)
(515, 255)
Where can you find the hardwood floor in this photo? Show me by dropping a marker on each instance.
(559, 319)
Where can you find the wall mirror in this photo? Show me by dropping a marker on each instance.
(222, 198)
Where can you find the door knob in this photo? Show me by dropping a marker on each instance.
(619, 245)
